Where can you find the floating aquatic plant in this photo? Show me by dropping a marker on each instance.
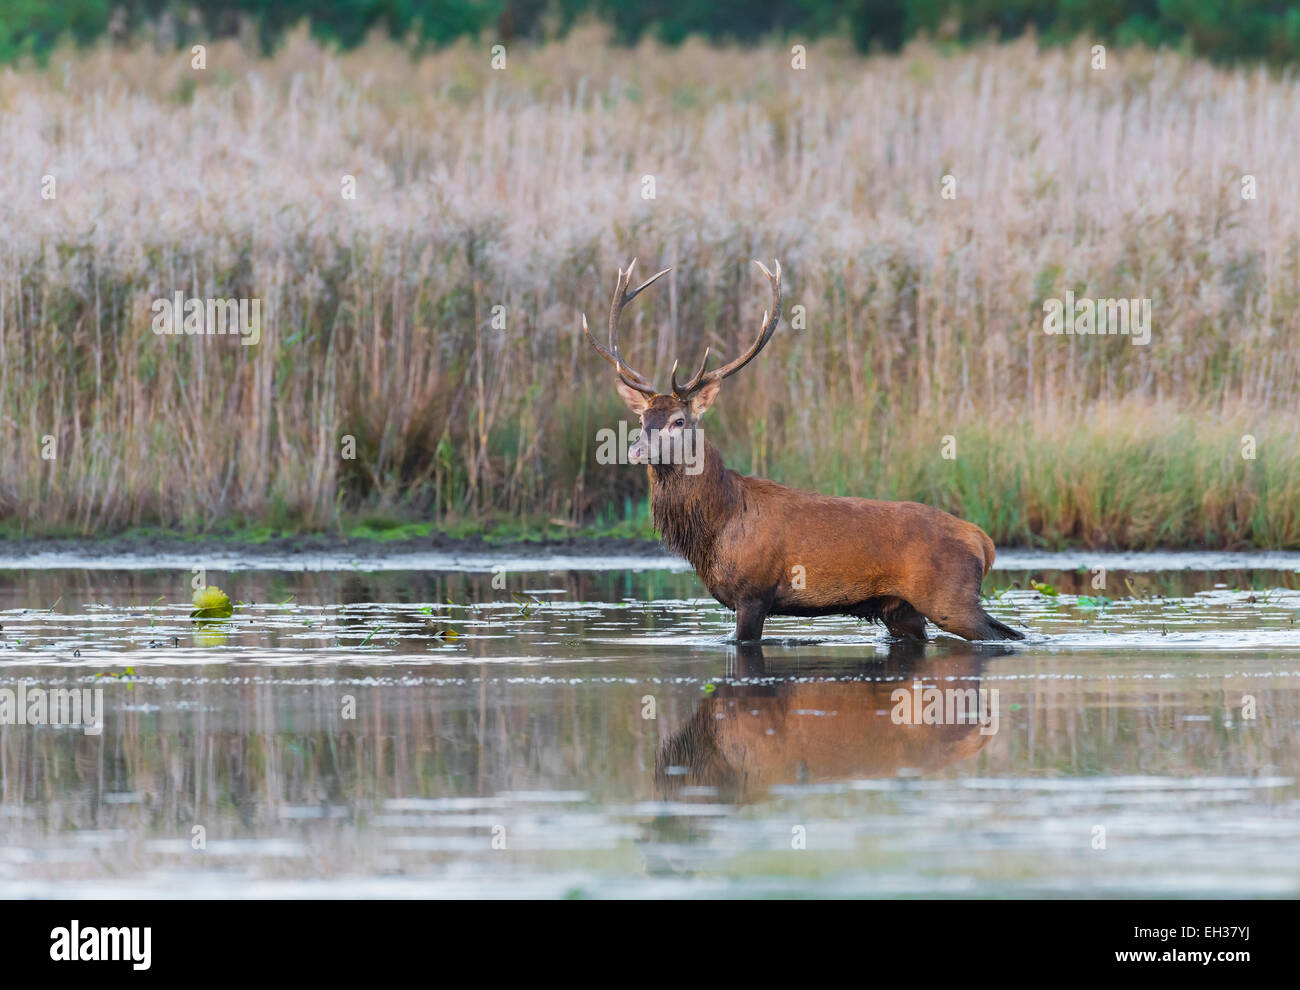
(1088, 601)
(211, 603)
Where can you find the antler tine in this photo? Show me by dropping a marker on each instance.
(628, 375)
(617, 303)
(694, 382)
(771, 318)
(650, 281)
(621, 298)
(624, 372)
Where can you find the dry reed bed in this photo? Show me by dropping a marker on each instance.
(522, 188)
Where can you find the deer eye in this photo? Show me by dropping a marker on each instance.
(678, 421)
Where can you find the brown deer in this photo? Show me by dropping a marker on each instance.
(764, 549)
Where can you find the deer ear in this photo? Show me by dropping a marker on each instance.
(634, 400)
(703, 399)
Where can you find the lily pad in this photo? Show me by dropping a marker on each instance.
(1088, 601)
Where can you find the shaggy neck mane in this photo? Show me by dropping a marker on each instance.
(690, 509)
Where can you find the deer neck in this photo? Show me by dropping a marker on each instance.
(690, 509)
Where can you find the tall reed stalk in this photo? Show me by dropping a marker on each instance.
(512, 195)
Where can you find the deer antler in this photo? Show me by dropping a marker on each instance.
(630, 377)
(770, 320)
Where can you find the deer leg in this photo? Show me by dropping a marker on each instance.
(975, 624)
(955, 608)
(749, 620)
(905, 622)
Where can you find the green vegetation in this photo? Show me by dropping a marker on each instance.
(1268, 29)
(486, 196)
(211, 603)
(492, 528)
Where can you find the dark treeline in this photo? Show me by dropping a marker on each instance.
(1227, 31)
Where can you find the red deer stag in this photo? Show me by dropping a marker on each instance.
(764, 549)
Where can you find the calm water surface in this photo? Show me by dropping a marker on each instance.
(592, 733)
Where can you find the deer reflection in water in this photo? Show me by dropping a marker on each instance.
(782, 723)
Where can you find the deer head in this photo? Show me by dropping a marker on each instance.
(666, 418)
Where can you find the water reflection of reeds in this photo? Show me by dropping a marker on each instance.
(73, 588)
(236, 755)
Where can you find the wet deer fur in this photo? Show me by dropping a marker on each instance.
(764, 549)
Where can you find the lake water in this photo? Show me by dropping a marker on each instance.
(589, 731)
